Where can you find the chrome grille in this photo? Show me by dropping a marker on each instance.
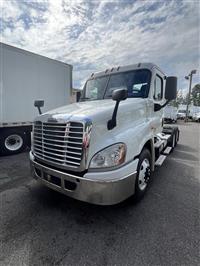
(60, 143)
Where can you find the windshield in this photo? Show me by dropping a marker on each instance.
(136, 82)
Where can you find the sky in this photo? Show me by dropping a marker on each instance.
(96, 35)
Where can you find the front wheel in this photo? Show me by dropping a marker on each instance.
(143, 174)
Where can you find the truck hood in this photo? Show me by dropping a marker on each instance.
(96, 110)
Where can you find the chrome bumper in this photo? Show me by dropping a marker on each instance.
(101, 192)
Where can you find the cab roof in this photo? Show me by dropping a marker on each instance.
(120, 69)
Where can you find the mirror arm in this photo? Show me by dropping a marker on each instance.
(165, 103)
(158, 107)
(39, 104)
(113, 121)
(39, 110)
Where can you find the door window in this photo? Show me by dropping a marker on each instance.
(158, 88)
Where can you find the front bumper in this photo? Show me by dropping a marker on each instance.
(101, 192)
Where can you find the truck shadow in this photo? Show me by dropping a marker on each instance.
(51, 198)
(64, 223)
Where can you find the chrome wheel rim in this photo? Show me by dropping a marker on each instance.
(144, 174)
(13, 142)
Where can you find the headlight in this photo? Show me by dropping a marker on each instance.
(111, 156)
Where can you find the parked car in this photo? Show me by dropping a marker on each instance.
(196, 117)
(181, 114)
(193, 110)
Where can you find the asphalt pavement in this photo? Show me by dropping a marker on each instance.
(41, 227)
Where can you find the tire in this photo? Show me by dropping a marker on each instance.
(12, 142)
(177, 137)
(143, 174)
(172, 141)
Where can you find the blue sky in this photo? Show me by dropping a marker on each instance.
(95, 35)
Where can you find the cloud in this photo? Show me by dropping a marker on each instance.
(93, 35)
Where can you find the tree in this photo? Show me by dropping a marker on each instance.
(195, 95)
(181, 99)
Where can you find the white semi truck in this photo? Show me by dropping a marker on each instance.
(24, 78)
(104, 149)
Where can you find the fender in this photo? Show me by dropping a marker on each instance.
(150, 146)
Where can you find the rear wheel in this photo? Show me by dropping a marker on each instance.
(143, 174)
(172, 141)
(12, 142)
(177, 137)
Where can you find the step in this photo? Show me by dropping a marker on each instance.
(160, 160)
(167, 150)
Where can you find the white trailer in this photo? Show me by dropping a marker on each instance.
(26, 77)
(170, 114)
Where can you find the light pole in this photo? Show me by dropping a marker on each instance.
(190, 86)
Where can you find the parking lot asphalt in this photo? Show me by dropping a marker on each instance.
(41, 227)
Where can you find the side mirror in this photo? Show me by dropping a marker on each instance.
(170, 92)
(157, 107)
(39, 104)
(171, 88)
(117, 95)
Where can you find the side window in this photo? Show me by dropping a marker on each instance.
(158, 88)
(95, 88)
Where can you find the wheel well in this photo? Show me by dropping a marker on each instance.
(148, 146)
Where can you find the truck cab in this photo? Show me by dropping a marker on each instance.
(103, 149)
